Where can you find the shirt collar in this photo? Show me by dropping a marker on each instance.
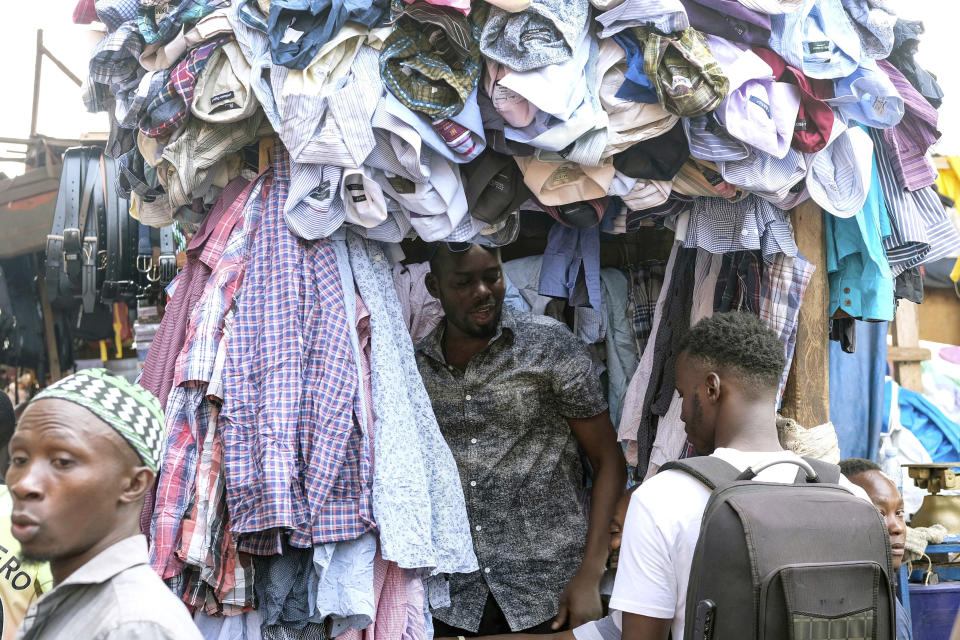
(113, 560)
(432, 345)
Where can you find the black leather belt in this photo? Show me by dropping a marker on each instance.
(70, 184)
(120, 257)
(168, 256)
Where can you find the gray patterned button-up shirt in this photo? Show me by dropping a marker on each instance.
(504, 418)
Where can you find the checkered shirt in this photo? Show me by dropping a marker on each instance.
(738, 284)
(115, 13)
(782, 285)
(163, 27)
(169, 110)
(439, 84)
(115, 66)
(683, 55)
(188, 409)
(216, 577)
(295, 454)
(646, 281)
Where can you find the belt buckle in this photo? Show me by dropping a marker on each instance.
(168, 267)
(72, 246)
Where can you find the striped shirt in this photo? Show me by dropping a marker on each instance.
(908, 142)
(920, 229)
(666, 16)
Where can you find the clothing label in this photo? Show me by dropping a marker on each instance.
(503, 97)
(322, 192)
(763, 105)
(401, 185)
(356, 192)
(226, 106)
(291, 36)
(879, 105)
(540, 33)
(564, 174)
(682, 81)
(735, 25)
(712, 176)
(220, 97)
(500, 182)
(801, 125)
(820, 46)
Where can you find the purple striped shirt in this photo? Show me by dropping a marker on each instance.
(908, 142)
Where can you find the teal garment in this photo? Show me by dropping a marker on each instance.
(861, 283)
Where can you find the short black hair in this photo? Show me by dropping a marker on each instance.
(856, 466)
(442, 250)
(740, 341)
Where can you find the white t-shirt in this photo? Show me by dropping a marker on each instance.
(661, 530)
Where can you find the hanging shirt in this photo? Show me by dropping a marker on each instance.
(505, 419)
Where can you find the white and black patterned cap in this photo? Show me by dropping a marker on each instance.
(129, 408)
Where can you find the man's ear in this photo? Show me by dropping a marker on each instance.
(433, 287)
(712, 385)
(137, 484)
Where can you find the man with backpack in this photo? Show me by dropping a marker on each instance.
(727, 374)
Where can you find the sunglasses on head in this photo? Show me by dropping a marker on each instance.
(452, 247)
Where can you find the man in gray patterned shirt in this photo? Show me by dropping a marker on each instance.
(517, 399)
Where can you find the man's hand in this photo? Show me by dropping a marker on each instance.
(579, 602)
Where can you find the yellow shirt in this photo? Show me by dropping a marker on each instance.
(19, 584)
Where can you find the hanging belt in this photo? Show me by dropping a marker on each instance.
(168, 256)
(119, 258)
(75, 225)
(70, 179)
(93, 227)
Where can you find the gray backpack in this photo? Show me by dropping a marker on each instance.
(801, 561)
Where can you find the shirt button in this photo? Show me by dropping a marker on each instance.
(846, 289)
(473, 483)
(846, 302)
(468, 397)
(478, 528)
(473, 441)
(486, 570)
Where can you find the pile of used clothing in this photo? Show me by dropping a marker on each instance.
(295, 140)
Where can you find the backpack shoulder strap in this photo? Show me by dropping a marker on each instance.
(829, 473)
(709, 470)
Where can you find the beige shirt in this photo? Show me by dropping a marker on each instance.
(114, 596)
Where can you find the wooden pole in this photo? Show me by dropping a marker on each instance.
(806, 398)
(49, 334)
(906, 353)
(38, 63)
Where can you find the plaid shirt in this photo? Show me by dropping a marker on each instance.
(188, 408)
(417, 68)
(164, 27)
(645, 283)
(667, 58)
(738, 285)
(782, 285)
(295, 454)
(169, 110)
(115, 66)
(116, 13)
(216, 577)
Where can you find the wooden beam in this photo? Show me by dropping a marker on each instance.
(37, 66)
(49, 334)
(906, 333)
(908, 354)
(806, 398)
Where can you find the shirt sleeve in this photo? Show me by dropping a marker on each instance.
(145, 630)
(646, 582)
(576, 386)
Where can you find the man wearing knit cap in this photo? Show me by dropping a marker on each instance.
(84, 454)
